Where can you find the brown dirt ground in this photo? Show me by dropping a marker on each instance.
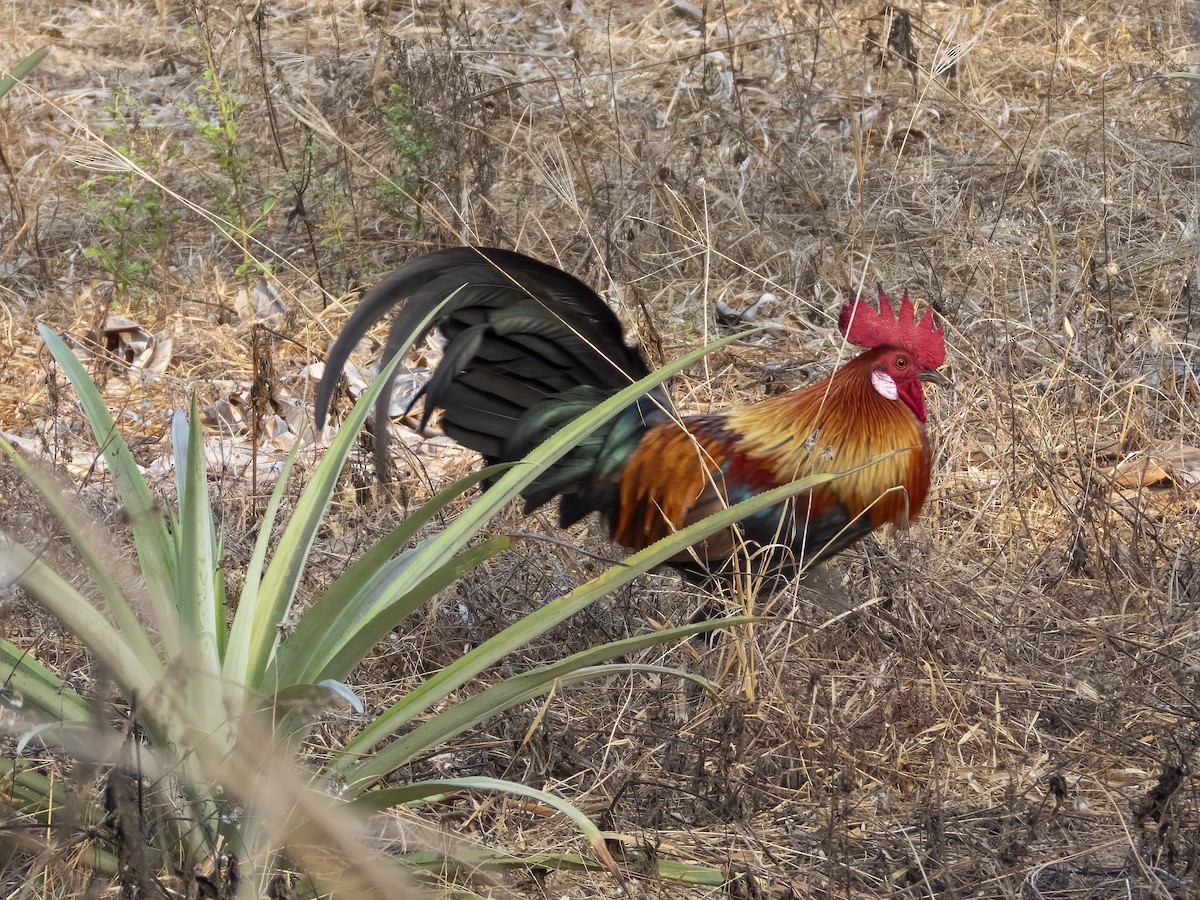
(1012, 708)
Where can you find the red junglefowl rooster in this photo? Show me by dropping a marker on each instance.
(529, 348)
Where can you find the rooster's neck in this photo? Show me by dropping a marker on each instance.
(830, 426)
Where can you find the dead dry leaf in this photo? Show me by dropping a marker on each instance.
(1163, 463)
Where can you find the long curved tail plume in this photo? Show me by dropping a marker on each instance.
(528, 348)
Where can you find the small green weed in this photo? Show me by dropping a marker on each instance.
(412, 140)
(216, 117)
(129, 209)
(224, 702)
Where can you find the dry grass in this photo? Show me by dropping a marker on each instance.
(1013, 710)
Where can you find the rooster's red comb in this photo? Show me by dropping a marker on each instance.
(862, 326)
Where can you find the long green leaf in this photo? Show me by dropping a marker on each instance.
(321, 619)
(458, 672)
(162, 713)
(237, 654)
(81, 618)
(155, 549)
(44, 801)
(33, 792)
(21, 69)
(97, 554)
(435, 551)
(279, 583)
(201, 611)
(50, 697)
(423, 790)
(485, 705)
(366, 634)
(635, 858)
(364, 623)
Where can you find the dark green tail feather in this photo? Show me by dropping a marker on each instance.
(529, 348)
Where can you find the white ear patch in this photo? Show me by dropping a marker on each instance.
(883, 383)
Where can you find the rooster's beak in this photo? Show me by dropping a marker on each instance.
(932, 376)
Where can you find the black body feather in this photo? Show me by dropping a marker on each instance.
(529, 348)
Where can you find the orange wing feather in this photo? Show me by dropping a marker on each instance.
(681, 472)
(662, 482)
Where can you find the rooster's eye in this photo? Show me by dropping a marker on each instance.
(901, 362)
